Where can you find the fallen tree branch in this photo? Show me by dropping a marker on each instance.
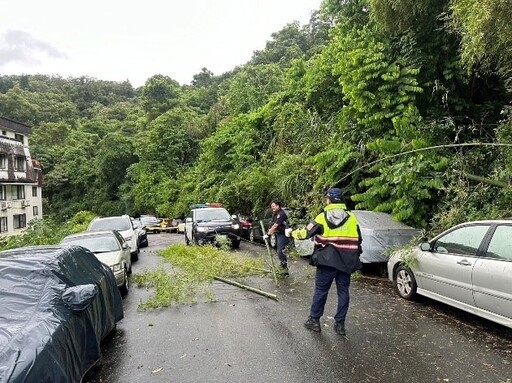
(257, 291)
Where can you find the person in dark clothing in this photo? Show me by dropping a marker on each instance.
(338, 240)
(279, 224)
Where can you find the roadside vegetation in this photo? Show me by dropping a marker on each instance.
(47, 231)
(406, 105)
(190, 273)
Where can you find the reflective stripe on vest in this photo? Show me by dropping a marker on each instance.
(344, 237)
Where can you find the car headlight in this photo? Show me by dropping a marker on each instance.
(116, 267)
(202, 229)
(236, 226)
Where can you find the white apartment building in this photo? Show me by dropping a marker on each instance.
(20, 179)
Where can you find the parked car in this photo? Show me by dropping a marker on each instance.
(469, 266)
(181, 227)
(141, 233)
(206, 225)
(57, 305)
(380, 233)
(150, 223)
(175, 222)
(111, 249)
(123, 224)
(245, 224)
(255, 233)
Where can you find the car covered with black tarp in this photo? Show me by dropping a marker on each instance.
(56, 305)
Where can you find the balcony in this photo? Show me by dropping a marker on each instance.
(16, 164)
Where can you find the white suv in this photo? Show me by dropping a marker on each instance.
(123, 224)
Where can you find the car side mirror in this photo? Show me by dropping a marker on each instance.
(234, 216)
(79, 297)
(124, 245)
(425, 246)
(189, 220)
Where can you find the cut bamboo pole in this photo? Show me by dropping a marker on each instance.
(254, 290)
(271, 260)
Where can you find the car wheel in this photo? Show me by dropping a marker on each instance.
(405, 283)
(273, 241)
(251, 235)
(235, 244)
(126, 284)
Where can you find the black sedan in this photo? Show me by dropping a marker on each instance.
(57, 306)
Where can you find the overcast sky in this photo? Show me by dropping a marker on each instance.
(118, 40)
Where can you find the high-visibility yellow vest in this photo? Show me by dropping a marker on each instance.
(344, 237)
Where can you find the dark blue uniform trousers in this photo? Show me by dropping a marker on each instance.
(323, 281)
(281, 242)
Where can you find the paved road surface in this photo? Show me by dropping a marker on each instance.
(244, 337)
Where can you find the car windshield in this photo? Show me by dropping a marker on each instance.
(114, 223)
(96, 244)
(212, 215)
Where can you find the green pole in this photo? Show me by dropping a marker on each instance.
(263, 231)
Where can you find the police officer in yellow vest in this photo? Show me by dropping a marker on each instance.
(337, 239)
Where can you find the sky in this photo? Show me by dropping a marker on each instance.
(127, 40)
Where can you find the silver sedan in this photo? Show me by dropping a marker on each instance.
(111, 249)
(468, 266)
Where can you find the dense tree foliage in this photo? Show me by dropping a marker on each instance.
(392, 100)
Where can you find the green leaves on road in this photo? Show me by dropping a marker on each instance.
(191, 272)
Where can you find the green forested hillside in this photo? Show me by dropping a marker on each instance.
(391, 100)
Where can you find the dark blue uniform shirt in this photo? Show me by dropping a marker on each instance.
(281, 219)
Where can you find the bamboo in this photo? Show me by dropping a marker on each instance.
(254, 290)
(486, 180)
(422, 150)
(272, 267)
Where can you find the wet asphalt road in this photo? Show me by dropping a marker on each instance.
(245, 337)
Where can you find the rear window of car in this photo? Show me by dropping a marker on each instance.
(114, 223)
